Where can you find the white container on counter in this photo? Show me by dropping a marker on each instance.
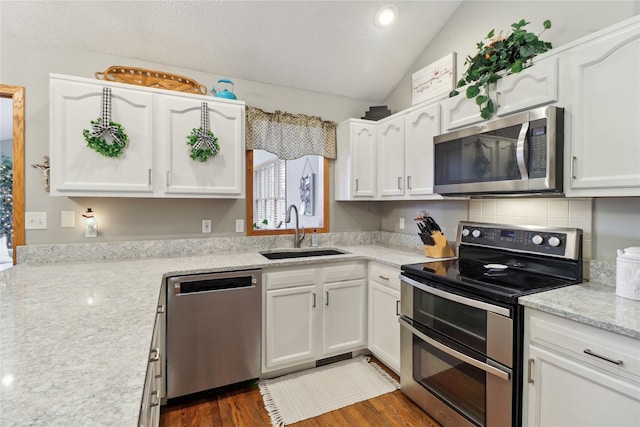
(628, 273)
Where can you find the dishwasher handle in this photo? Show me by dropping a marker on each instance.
(215, 282)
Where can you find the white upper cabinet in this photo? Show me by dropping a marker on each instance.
(390, 141)
(605, 114)
(157, 162)
(535, 86)
(532, 87)
(355, 168)
(217, 176)
(420, 126)
(77, 170)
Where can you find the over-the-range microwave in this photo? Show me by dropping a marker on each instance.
(521, 154)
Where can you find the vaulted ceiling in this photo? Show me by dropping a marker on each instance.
(324, 46)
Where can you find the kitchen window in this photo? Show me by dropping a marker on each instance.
(287, 163)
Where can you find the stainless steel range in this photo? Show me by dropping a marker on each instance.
(462, 326)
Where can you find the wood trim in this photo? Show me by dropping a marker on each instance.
(249, 213)
(17, 95)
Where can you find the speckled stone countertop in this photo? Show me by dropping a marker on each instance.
(75, 337)
(594, 303)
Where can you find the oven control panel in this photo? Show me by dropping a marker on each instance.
(564, 242)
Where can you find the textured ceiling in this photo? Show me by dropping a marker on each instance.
(323, 46)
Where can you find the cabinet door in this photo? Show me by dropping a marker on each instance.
(222, 175)
(390, 143)
(384, 329)
(344, 327)
(460, 111)
(364, 160)
(535, 86)
(420, 128)
(291, 323)
(78, 170)
(564, 392)
(605, 107)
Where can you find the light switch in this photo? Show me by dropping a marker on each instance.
(239, 225)
(401, 224)
(35, 220)
(67, 219)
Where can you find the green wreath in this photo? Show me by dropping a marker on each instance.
(202, 154)
(100, 145)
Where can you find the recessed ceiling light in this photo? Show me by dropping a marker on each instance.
(386, 15)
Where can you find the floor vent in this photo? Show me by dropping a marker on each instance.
(333, 359)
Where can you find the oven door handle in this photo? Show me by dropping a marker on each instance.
(457, 298)
(460, 356)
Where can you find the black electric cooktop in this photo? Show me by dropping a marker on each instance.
(485, 278)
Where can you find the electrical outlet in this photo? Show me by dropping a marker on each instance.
(35, 220)
(239, 225)
(401, 223)
(206, 226)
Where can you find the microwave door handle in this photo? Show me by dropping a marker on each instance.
(460, 356)
(522, 139)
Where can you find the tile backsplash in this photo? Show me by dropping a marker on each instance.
(575, 213)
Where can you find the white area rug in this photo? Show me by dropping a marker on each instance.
(307, 394)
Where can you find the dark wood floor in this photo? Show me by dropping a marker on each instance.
(242, 406)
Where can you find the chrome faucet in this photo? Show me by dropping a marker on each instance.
(287, 219)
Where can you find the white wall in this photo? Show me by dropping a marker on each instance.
(134, 219)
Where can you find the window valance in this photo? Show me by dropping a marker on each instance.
(290, 136)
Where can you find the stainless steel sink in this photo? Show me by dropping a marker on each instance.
(286, 254)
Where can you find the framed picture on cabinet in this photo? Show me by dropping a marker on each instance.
(434, 81)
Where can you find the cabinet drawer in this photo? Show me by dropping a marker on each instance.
(343, 272)
(603, 349)
(290, 278)
(385, 275)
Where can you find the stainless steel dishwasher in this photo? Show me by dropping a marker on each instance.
(213, 330)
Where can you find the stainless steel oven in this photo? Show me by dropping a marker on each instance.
(461, 325)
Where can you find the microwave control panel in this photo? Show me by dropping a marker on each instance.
(538, 148)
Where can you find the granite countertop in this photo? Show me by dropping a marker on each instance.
(594, 304)
(75, 337)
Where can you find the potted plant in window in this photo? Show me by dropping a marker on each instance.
(503, 55)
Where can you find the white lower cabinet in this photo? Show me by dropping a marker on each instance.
(384, 329)
(578, 375)
(154, 390)
(311, 313)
